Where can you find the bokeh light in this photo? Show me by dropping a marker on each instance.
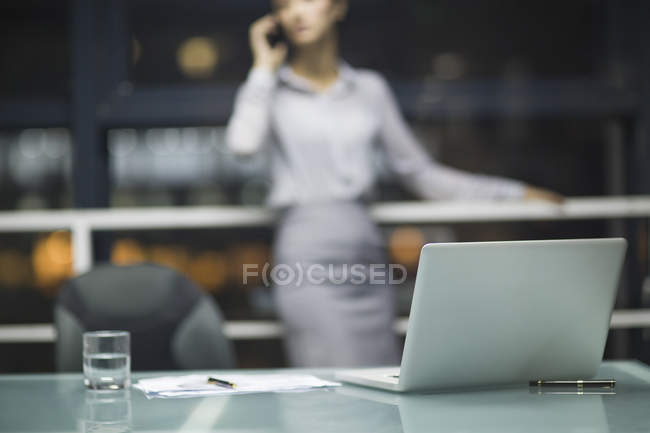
(127, 252)
(52, 261)
(209, 270)
(248, 254)
(198, 57)
(173, 256)
(15, 271)
(404, 246)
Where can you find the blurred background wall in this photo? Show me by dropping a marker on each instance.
(115, 103)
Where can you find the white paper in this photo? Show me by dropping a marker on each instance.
(196, 385)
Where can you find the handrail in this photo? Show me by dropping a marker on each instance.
(270, 329)
(144, 218)
(83, 222)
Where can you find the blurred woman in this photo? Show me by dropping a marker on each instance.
(324, 120)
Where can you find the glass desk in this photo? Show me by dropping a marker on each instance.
(59, 403)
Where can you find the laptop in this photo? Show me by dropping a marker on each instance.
(504, 313)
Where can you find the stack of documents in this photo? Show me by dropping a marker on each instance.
(196, 385)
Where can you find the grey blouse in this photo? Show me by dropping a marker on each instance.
(323, 143)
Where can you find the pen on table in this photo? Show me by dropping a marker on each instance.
(221, 382)
(608, 383)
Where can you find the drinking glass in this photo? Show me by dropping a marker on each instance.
(107, 360)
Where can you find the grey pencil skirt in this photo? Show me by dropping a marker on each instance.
(334, 313)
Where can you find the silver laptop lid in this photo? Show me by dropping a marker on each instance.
(487, 313)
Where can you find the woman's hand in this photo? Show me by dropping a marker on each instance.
(533, 193)
(265, 55)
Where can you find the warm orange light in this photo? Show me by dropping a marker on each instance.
(248, 254)
(127, 252)
(404, 245)
(209, 270)
(52, 261)
(14, 269)
(198, 57)
(175, 257)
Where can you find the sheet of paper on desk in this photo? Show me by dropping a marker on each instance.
(197, 385)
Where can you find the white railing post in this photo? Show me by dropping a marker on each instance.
(82, 246)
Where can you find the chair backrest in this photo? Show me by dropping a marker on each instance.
(172, 324)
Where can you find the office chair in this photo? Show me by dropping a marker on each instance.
(172, 324)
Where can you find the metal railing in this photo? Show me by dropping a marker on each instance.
(268, 329)
(82, 223)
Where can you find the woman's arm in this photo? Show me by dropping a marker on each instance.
(430, 179)
(249, 126)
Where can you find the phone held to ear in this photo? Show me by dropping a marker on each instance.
(276, 36)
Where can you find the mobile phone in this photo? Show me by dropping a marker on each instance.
(276, 36)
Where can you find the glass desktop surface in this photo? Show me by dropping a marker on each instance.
(60, 403)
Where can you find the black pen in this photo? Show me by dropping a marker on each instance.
(221, 382)
(609, 383)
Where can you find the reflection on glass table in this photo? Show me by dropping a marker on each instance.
(60, 403)
(106, 411)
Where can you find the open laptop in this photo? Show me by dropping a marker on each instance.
(499, 313)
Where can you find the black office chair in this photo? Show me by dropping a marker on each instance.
(172, 324)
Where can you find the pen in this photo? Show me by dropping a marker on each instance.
(608, 383)
(576, 391)
(221, 382)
